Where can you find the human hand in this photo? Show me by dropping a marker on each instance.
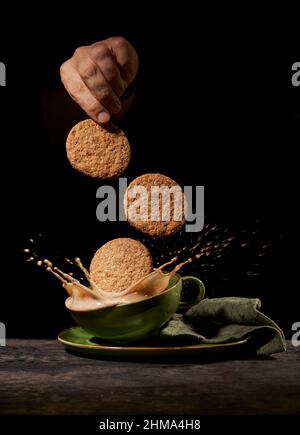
(98, 74)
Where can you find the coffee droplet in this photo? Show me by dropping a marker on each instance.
(48, 263)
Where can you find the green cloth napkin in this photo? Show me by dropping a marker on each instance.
(223, 320)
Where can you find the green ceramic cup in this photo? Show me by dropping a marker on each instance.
(138, 320)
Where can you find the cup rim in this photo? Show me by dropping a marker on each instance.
(179, 277)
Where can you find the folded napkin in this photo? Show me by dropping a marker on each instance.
(223, 320)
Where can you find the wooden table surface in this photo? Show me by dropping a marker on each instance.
(41, 377)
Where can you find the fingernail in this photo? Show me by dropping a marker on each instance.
(103, 117)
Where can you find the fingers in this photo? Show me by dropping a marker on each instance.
(125, 56)
(95, 81)
(107, 64)
(82, 94)
(98, 74)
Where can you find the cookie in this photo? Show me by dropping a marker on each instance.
(159, 213)
(100, 153)
(119, 264)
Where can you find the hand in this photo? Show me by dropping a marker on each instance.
(98, 74)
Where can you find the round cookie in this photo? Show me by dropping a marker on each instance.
(100, 153)
(161, 217)
(119, 264)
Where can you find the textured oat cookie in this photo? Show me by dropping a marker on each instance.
(160, 215)
(100, 153)
(119, 264)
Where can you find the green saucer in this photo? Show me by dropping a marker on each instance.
(81, 342)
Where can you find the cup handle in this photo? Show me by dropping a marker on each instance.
(201, 292)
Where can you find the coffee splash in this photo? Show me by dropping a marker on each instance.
(86, 298)
(209, 252)
(91, 297)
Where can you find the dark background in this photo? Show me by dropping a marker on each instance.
(214, 106)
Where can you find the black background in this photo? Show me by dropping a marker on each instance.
(214, 106)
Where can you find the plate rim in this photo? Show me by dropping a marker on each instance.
(147, 348)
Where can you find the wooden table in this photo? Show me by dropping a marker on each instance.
(41, 377)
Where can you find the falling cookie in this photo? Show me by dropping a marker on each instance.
(154, 204)
(119, 264)
(100, 153)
